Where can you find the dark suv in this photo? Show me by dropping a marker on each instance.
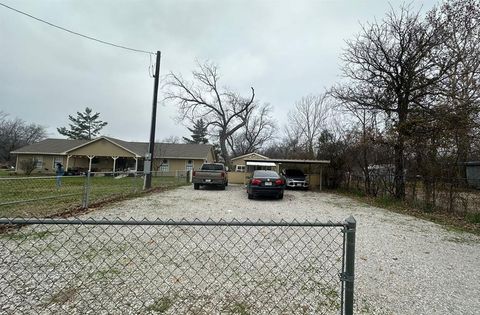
(295, 178)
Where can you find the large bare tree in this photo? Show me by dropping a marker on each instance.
(459, 95)
(224, 111)
(392, 66)
(307, 120)
(256, 133)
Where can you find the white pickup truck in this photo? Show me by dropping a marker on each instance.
(214, 174)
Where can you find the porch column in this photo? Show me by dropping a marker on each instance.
(136, 164)
(66, 164)
(16, 165)
(114, 163)
(90, 158)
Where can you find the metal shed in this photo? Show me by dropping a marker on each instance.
(473, 173)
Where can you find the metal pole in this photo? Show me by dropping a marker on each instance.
(349, 275)
(86, 191)
(151, 145)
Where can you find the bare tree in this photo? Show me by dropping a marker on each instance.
(257, 131)
(224, 112)
(16, 133)
(393, 66)
(171, 139)
(459, 94)
(28, 166)
(306, 121)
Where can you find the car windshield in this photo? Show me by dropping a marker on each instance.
(212, 167)
(294, 173)
(265, 174)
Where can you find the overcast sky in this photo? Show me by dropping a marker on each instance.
(284, 49)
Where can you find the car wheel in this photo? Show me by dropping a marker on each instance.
(196, 186)
(280, 196)
(250, 196)
(222, 187)
(226, 184)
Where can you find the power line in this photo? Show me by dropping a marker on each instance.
(75, 33)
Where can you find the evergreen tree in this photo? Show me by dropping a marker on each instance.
(85, 126)
(199, 133)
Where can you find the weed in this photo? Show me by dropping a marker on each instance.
(365, 307)
(161, 305)
(35, 235)
(473, 217)
(63, 296)
(450, 221)
(239, 308)
(108, 272)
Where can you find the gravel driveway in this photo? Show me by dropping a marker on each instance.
(404, 265)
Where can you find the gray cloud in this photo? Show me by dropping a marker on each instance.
(285, 49)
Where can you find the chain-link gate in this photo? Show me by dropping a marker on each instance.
(105, 266)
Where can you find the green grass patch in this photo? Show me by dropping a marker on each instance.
(239, 308)
(4, 173)
(106, 273)
(39, 197)
(473, 218)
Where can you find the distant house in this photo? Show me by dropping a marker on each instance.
(105, 154)
(238, 163)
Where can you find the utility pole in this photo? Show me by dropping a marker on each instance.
(151, 146)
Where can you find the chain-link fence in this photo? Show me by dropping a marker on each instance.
(455, 195)
(152, 267)
(49, 195)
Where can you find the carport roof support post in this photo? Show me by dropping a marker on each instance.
(90, 158)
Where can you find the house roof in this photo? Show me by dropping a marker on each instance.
(162, 150)
(288, 161)
(50, 146)
(248, 154)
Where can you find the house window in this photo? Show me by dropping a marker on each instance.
(57, 159)
(38, 161)
(240, 168)
(164, 167)
(189, 165)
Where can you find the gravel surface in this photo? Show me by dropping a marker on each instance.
(404, 265)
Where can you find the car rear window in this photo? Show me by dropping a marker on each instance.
(265, 174)
(294, 173)
(212, 167)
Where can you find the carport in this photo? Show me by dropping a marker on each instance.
(278, 162)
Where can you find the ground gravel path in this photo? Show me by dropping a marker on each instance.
(404, 265)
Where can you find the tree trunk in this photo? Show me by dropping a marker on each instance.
(399, 149)
(399, 169)
(223, 148)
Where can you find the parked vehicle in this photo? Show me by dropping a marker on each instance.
(75, 171)
(266, 183)
(295, 178)
(213, 174)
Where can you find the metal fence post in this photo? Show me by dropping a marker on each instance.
(349, 274)
(86, 190)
